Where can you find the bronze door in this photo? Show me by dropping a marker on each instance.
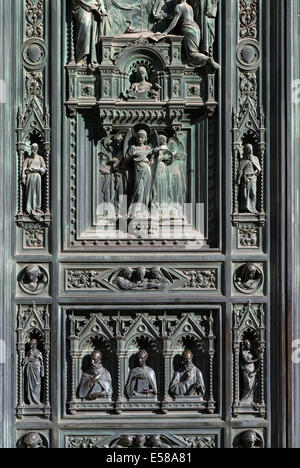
(149, 174)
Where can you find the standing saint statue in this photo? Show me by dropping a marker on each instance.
(249, 368)
(34, 168)
(96, 382)
(142, 379)
(34, 372)
(248, 171)
(184, 15)
(87, 15)
(188, 379)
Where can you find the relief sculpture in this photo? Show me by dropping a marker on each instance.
(96, 382)
(95, 19)
(188, 379)
(141, 174)
(142, 379)
(34, 168)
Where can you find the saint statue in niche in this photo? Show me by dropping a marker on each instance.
(34, 168)
(96, 382)
(190, 30)
(188, 379)
(34, 372)
(249, 368)
(33, 280)
(248, 171)
(143, 89)
(142, 379)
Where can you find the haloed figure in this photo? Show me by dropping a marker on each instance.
(34, 168)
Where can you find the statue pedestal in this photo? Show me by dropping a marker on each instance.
(100, 405)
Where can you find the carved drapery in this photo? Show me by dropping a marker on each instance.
(33, 323)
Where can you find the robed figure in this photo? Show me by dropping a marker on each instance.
(249, 368)
(87, 14)
(34, 168)
(142, 379)
(34, 372)
(248, 171)
(188, 379)
(96, 382)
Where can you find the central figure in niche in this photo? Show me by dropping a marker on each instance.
(153, 172)
(142, 379)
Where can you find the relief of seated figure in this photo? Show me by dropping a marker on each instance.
(188, 380)
(96, 382)
(142, 380)
(143, 89)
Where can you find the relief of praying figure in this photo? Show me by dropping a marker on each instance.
(87, 14)
(96, 382)
(142, 380)
(143, 89)
(184, 15)
(34, 168)
(249, 368)
(248, 171)
(34, 372)
(188, 379)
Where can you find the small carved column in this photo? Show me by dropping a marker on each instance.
(262, 366)
(21, 150)
(47, 147)
(236, 362)
(47, 364)
(211, 339)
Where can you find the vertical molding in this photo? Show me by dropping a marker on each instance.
(293, 115)
(7, 169)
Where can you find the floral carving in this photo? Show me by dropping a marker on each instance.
(35, 18)
(201, 279)
(248, 18)
(34, 236)
(248, 235)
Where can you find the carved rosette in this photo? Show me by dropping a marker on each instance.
(33, 122)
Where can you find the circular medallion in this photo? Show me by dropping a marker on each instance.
(34, 54)
(248, 54)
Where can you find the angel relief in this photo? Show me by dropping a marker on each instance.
(142, 175)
